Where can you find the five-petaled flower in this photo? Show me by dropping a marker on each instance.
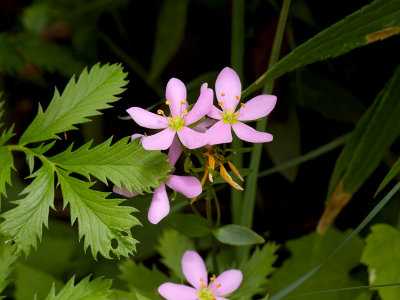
(228, 89)
(178, 121)
(196, 274)
(187, 185)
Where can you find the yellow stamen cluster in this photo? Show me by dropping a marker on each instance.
(204, 293)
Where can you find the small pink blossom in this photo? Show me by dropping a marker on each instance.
(178, 121)
(196, 274)
(187, 185)
(228, 90)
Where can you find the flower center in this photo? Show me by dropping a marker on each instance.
(230, 116)
(206, 294)
(176, 123)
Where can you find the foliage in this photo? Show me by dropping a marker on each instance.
(7, 259)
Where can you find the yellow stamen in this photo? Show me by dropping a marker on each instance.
(228, 178)
(185, 112)
(203, 286)
(242, 105)
(218, 285)
(182, 102)
(220, 103)
(201, 279)
(233, 168)
(213, 277)
(160, 112)
(223, 94)
(237, 97)
(167, 102)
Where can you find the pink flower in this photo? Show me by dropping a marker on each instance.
(196, 274)
(228, 89)
(187, 185)
(178, 121)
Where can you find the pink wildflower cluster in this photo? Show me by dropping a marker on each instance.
(193, 130)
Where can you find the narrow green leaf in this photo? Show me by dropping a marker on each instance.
(24, 223)
(381, 255)
(389, 176)
(189, 224)
(373, 22)
(100, 220)
(93, 91)
(141, 279)
(7, 259)
(237, 235)
(171, 25)
(97, 289)
(172, 246)
(123, 163)
(256, 270)
(6, 163)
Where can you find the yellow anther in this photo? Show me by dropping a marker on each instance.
(242, 105)
(167, 102)
(185, 112)
(203, 286)
(214, 298)
(182, 102)
(213, 277)
(223, 94)
(160, 112)
(201, 279)
(218, 285)
(220, 103)
(237, 97)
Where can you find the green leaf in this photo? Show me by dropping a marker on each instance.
(30, 282)
(381, 255)
(93, 91)
(172, 246)
(141, 279)
(373, 22)
(237, 235)
(6, 163)
(189, 225)
(40, 150)
(24, 223)
(389, 176)
(10, 60)
(307, 252)
(97, 289)
(7, 259)
(169, 35)
(123, 163)
(100, 220)
(256, 270)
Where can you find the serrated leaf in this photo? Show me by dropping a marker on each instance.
(389, 176)
(169, 35)
(6, 163)
(237, 235)
(24, 223)
(189, 225)
(7, 259)
(370, 140)
(30, 283)
(256, 270)
(382, 256)
(141, 279)
(93, 91)
(100, 220)
(6, 135)
(123, 163)
(307, 252)
(373, 22)
(97, 289)
(40, 150)
(171, 246)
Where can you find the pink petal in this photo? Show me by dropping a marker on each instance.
(229, 281)
(220, 133)
(257, 108)
(147, 119)
(192, 139)
(204, 86)
(159, 141)
(203, 126)
(246, 133)
(215, 113)
(194, 269)
(174, 151)
(221, 298)
(159, 206)
(137, 136)
(228, 83)
(175, 93)
(201, 108)
(187, 185)
(172, 291)
(124, 192)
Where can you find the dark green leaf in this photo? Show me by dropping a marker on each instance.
(6, 163)
(79, 101)
(237, 235)
(189, 224)
(123, 163)
(170, 31)
(373, 22)
(389, 176)
(7, 259)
